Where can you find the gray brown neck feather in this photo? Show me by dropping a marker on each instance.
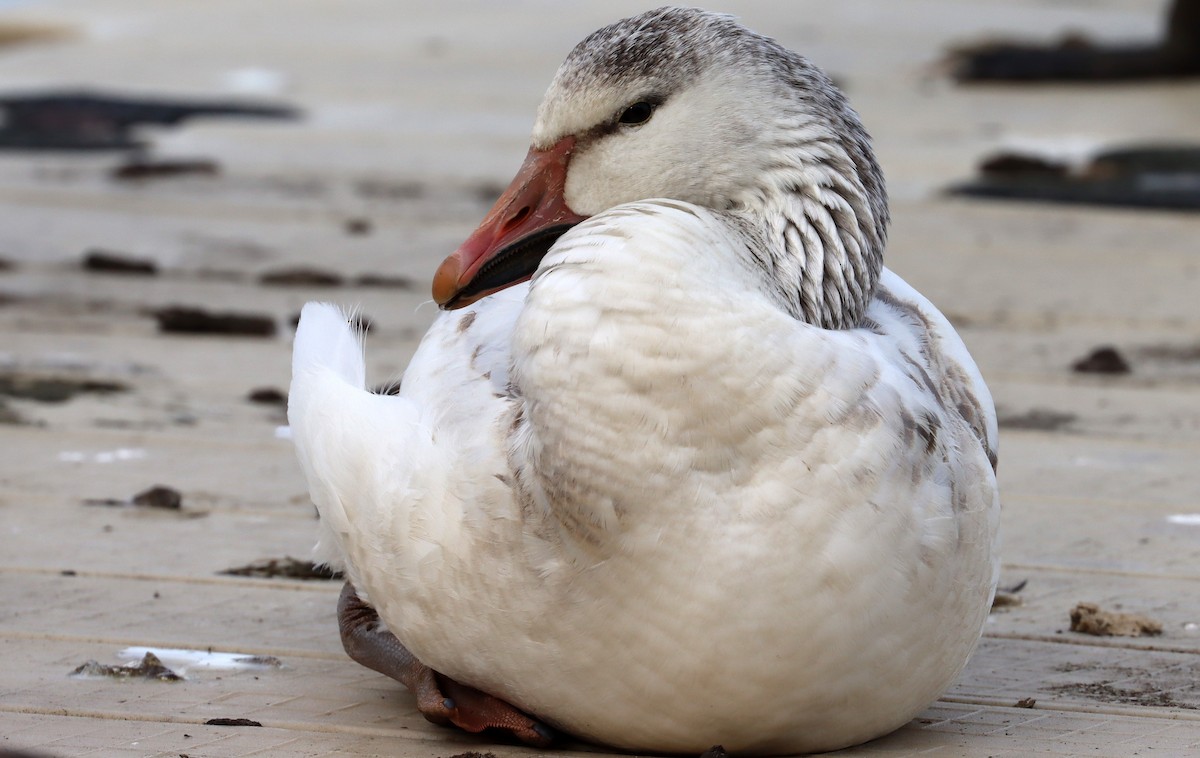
(819, 227)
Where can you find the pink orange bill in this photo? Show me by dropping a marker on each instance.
(516, 233)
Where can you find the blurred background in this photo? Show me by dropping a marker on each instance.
(178, 178)
(406, 88)
(389, 97)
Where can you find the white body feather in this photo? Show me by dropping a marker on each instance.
(685, 518)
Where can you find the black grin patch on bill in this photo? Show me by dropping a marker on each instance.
(514, 263)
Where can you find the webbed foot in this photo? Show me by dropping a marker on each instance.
(440, 699)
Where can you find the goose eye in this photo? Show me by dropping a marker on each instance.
(638, 113)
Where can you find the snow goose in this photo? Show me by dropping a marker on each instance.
(681, 464)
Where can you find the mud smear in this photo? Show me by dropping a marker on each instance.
(1147, 694)
(357, 227)
(301, 276)
(54, 389)
(158, 496)
(1102, 360)
(109, 262)
(143, 169)
(232, 722)
(1089, 618)
(1074, 58)
(268, 396)
(1037, 419)
(285, 568)
(85, 121)
(383, 281)
(1159, 177)
(1014, 165)
(150, 667)
(1163, 684)
(188, 320)
(1077, 59)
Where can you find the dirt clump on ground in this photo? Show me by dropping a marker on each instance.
(1089, 618)
(150, 667)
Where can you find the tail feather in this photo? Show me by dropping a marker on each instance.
(328, 378)
(326, 340)
(370, 460)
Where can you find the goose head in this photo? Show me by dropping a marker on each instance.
(687, 105)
